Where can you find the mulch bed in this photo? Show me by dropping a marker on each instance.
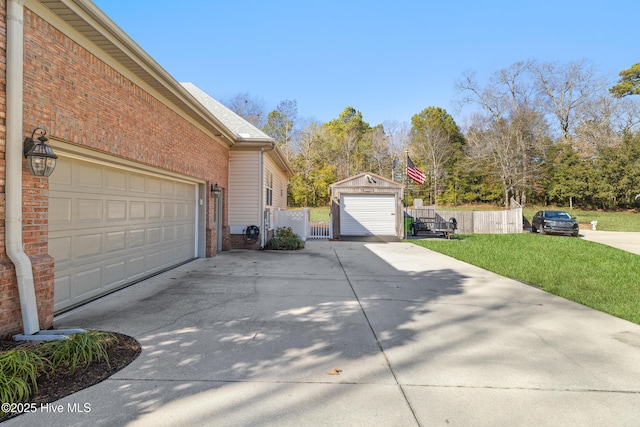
(63, 382)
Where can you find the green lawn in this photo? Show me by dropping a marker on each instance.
(595, 275)
(319, 214)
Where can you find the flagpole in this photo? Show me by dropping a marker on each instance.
(406, 190)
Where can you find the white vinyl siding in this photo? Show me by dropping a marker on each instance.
(244, 188)
(367, 215)
(109, 227)
(279, 199)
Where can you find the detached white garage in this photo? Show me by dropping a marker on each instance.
(111, 226)
(366, 205)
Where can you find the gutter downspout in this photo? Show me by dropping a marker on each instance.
(14, 153)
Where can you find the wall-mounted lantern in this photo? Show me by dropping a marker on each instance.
(215, 190)
(40, 157)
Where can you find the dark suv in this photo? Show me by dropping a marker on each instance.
(554, 222)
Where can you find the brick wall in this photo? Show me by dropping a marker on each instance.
(81, 100)
(237, 242)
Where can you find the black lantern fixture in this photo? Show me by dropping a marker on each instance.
(215, 190)
(40, 157)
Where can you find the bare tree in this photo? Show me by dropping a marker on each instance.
(250, 108)
(565, 90)
(281, 125)
(509, 133)
(397, 134)
(492, 150)
(601, 123)
(379, 151)
(433, 144)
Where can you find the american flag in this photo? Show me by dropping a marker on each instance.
(414, 173)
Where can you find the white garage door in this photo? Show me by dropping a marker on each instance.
(109, 227)
(367, 215)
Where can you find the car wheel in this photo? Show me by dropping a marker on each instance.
(575, 234)
(542, 230)
(534, 229)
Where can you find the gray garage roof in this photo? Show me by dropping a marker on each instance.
(233, 122)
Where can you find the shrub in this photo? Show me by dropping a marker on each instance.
(285, 239)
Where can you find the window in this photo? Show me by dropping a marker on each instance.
(269, 186)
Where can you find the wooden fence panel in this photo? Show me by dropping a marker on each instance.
(498, 222)
(480, 222)
(464, 219)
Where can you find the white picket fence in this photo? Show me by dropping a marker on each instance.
(301, 224)
(319, 230)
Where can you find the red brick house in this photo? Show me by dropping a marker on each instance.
(138, 159)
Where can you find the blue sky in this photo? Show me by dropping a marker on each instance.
(389, 60)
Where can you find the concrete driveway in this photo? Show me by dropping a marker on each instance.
(627, 241)
(417, 338)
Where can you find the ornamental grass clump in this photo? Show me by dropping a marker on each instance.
(19, 370)
(285, 239)
(81, 349)
(20, 367)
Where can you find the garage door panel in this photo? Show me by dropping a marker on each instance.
(168, 233)
(136, 238)
(116, 210)
(59, 210)
(136, 267)
(182, 211)
(88, 245)
(88, 283)
(152, 185)
(182, 190)
(62, 174)
(60, 249)
(115, 273)
(88, 210)
(86, 175)
(118, 232)
(168, 254)
(181, 231)
(154, 235)
(116, 241)
(154, 261)
(137, 210)
(168, 210)
(155, 210)
(62, 292)
(137, 184)
(167, 188)
(116, 180)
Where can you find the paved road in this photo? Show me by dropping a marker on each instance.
(251, 338)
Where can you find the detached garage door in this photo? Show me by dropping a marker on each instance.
(109, 227)
(367, 215)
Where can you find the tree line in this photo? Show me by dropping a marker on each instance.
(540, 133)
